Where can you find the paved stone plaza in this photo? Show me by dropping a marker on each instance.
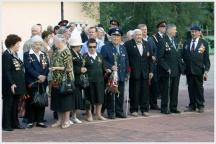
(184, 127)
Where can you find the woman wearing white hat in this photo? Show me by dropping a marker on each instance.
(75, 45)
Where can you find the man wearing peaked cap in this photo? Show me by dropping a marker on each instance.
(196, 57)
(63, 23)
(160, 34)
(115, 31)
(115, 106)
(114, 24)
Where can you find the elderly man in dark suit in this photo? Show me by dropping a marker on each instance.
(142, 68)
(170, 61)
(153, 88)
(196, 57)
(108, 51)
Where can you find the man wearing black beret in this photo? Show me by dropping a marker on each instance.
(196, 57)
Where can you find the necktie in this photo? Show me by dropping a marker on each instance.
(173, 42)
(192, 47)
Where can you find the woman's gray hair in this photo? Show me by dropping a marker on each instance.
(60, 38)
(136, 30)
(35, 39)
(100, 28)
(130, 32)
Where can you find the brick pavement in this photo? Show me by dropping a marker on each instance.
(184, 127)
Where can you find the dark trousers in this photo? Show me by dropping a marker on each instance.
(169, 101)
(119, 101)
(195, 90)
(139, 95)
(105, 97)
(35, 113)
(158, 80)
(153, 91)
(10, 105)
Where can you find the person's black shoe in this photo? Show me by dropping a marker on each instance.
(121, 115)
(166, 112)
(175, 111)
(111, 117)
(155, 108)
(200, 110)
(41, 125)
(190, 110)
(19, 127)
(8, 129)
(30, 126)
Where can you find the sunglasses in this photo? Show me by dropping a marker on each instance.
(92, 47)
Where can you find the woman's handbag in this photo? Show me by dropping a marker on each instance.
(67, 86)
(85, 81)
(40, 99)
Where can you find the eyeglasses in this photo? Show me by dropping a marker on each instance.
(92, 47)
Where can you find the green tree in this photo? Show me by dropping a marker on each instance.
(130, 14)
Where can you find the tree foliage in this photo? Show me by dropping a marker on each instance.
(130, 14)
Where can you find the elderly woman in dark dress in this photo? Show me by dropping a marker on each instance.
(13, 83)
(95, 92)
(61, 59)
(36, 72)
(79, 69)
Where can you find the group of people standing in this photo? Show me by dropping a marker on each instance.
(149, 63)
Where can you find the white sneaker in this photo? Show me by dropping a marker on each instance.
(71, 122)
(76, 121)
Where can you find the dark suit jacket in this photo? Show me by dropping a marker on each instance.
(84, 37)
(95, 68)
(107, 52)
(141, 66)
(12, 76)
(77, 65)
(169, 57)
(34, 68)
(150, 39)
(196, 63)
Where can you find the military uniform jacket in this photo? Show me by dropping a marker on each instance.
(34, 68)
(94, 68)
(141, 66)
(170, 57)
(77, 65)
(157, 37)
(12, 75)
(198, 62)
(108, 51)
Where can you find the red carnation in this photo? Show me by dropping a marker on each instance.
(205, 78)
(54, 83)
(29, 86)
(85, 54)
(104, 67)
(105, 76)
(149, 82)
(129, 69)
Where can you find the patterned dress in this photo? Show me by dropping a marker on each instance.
(61, 103)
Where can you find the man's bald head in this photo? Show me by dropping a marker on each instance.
(35, 30)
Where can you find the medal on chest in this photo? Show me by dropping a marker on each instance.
(16, 64)
(43, 61)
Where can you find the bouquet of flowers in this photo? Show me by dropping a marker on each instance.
(112, 84)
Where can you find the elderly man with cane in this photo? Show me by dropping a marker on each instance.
(172, 65)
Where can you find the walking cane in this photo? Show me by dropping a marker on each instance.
(126, 112)
(168, 103)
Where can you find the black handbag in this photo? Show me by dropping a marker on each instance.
(85, 81)
(67, 86)
(40, 99)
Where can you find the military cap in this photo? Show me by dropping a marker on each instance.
(115, 31)
(161, 24)
(195, 28)
(114, 22)
(63, 23)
